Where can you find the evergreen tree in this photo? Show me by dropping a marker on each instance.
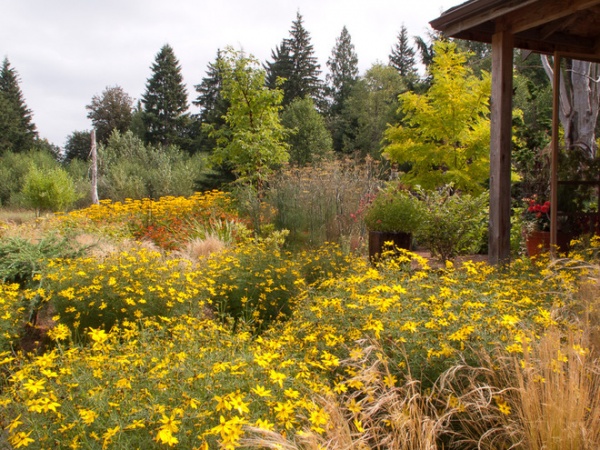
(17, 130)
(281, 66)
(165, 102)
(343, 71)
(110, 111)
(294, 61)
(213, 106)
(402, 58)
(78, 146)
(342, 76)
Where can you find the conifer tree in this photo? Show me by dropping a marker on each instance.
(165, 102)
(402, 58)
(294, 61)
(17, 130)
(213, 106)
(342, 76)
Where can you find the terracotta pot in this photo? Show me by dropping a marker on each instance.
(538, 242)
(378, 238)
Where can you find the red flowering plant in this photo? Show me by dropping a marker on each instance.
(537, 214)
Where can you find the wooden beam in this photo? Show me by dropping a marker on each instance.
(500, 146)
(473, 14)
(554, 156)
(544, 12)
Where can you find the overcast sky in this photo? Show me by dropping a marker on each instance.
(66, 51)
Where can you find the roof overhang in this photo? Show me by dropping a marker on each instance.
(569, 27)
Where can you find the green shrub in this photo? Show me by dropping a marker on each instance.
(454, 223)
(49, 190)
(394, 210)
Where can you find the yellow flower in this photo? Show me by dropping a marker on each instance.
(21, 439)
(88, 416)
(59, 333)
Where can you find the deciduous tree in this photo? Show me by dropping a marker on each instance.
(444, 136)
(309, 140)
(253, 142)
(112, 110)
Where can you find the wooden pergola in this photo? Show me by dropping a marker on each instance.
(562, 28)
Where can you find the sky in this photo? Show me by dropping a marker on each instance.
(67, 51)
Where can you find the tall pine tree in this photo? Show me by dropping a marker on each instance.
(342, 76)
(295, 62)
(213, 106)
(402, 58)
(17, 130)
(165, 102)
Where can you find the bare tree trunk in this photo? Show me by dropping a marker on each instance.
(94, 153)
(579, 103)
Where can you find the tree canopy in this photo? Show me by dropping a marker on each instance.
(445, 133)
(253, 141)
(112, 110)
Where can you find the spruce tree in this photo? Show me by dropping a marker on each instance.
(213, 106)
(17, 130)
(343, 74)
(402, 57)
(294, 60)
(165, 102)
(210, 99)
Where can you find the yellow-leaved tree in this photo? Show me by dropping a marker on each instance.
(444, 136)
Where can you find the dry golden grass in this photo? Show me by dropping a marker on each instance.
(200, 248)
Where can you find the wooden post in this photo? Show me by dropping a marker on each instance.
(94, 154)
(500, 146)
(554, 156)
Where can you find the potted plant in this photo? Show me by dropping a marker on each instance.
(394, 215)
(537, 228)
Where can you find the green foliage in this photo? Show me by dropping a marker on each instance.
(295, 64)
(21, 259)
(394, 210)
(17, 130)
(257, 283)
(78, 146)
(110, 111)
(445, 133)
(372, 105)
(49, 190)
(454, 223)
(165, 102)
(402, 58)
(253, 143)
(13, 169)
(309, 140)
(130, 169)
